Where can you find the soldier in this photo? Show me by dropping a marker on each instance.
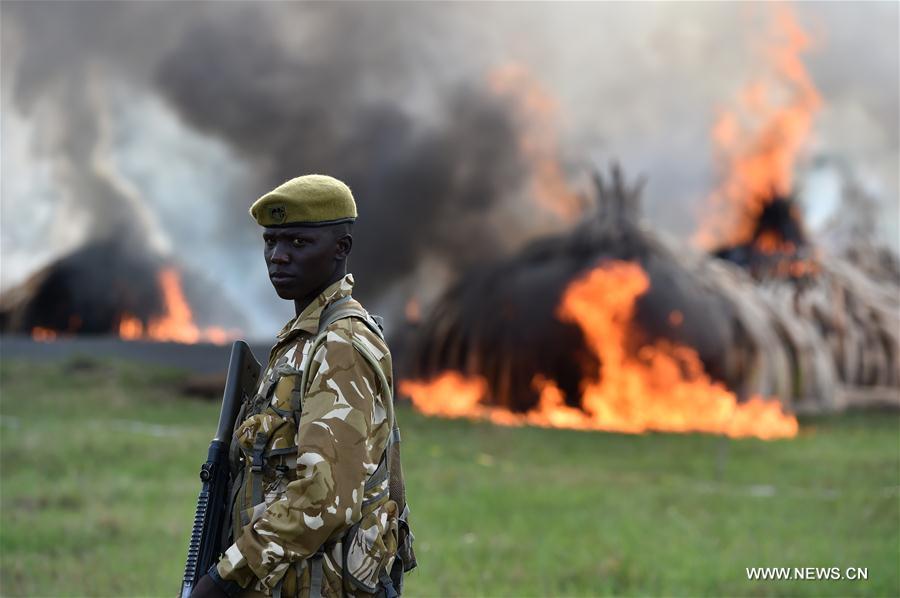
(312, 512)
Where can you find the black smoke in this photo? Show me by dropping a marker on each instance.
(422, 187)
(349, 91)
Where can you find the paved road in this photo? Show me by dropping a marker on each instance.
(201, 358)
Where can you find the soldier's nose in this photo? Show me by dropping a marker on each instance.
(279, 257)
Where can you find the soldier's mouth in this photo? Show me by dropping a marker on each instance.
(281, 277)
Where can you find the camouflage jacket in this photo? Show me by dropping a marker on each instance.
(301, 470)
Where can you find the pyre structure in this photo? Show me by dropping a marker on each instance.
(778, 317)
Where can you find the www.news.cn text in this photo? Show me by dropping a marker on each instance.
(807, 573)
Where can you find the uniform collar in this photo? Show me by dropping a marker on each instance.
(308, 320)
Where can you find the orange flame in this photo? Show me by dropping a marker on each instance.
(662, 387)
(44, 335)
(177, 322)
(537, 111)
(130, 327)
(758, 142)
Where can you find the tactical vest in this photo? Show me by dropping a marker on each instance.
(271, 465)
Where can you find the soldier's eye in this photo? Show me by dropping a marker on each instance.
(299, 242)
(269, 242)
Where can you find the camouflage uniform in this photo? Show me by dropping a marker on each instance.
(304, 473)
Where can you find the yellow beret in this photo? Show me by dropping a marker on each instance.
(314, 199)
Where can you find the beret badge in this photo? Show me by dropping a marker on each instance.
(277, 213)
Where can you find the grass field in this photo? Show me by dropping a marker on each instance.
(99, 481)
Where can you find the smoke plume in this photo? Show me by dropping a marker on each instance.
(158, 124)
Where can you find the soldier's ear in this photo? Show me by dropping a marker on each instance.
(344, 244)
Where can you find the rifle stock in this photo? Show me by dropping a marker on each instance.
(212, 503)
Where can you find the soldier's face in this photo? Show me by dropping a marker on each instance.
(302, 260)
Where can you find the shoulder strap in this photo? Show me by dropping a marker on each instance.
(338, 310)
(342, 308)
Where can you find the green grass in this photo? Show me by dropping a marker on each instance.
(99, 479)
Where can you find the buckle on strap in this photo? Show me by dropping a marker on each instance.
(259, 445)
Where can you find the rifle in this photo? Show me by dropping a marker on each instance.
(212, 504)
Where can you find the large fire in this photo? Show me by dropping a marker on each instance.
(177, 323)
(662, 386)
(758, 141)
